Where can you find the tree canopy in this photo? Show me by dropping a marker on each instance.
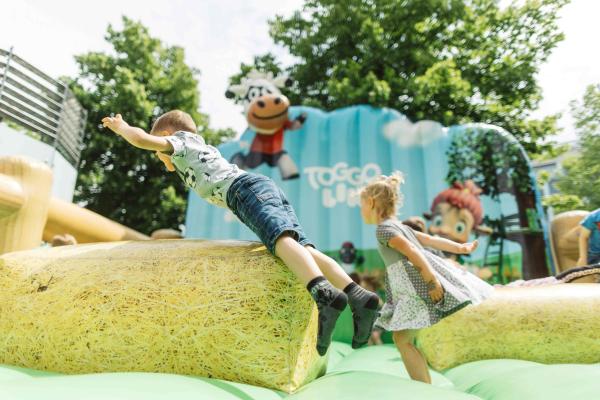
(452, 61)
(141, 78)
(581, 177)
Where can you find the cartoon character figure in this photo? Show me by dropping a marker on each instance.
(349, 258)
(268, 116)
(456, 212)
(256, 84)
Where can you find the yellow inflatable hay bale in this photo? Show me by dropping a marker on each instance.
(225, 310)
(548, 324)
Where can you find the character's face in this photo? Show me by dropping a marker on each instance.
(367, 210)
(268, 113)
(452, 223)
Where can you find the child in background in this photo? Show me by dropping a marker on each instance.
(421, 287)
(589, 240)
(263, 207)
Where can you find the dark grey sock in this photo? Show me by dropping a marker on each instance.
(364, 306)
(330, 303)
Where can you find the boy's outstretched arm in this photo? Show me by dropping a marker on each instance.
(136, 136)
(449, 246)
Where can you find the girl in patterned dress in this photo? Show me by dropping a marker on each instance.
(421, 287)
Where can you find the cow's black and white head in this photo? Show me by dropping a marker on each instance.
(256, 84)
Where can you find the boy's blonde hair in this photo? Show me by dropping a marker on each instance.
(385, 192)
(175, 120)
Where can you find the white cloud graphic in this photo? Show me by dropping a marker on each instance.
(407, 134)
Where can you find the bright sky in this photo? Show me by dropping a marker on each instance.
(218, 35)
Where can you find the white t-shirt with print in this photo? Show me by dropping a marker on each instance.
(202, 168)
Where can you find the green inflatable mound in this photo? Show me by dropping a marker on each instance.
(515, 379)
(375, 372)
(384, 360)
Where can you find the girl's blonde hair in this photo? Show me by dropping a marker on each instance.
(385, 192)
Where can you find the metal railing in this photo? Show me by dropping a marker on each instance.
(41, 104)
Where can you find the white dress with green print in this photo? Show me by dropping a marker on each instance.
(408, 305)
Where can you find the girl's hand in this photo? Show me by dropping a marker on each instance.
(115, 124)
(436, 291)
(468, 248)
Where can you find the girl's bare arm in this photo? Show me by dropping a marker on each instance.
(449, 246)
(416, 257)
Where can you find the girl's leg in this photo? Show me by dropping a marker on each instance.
(330, 301)
(363, 303)
(415, 363)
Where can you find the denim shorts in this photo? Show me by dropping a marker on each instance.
(262, 206)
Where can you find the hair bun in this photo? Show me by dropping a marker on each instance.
(395, 179)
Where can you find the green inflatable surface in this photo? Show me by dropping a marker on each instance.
(375, 372)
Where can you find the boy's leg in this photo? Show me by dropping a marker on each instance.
(330, 268)
(363, 303)
(415, 363)
(297, 259)
(330, 301)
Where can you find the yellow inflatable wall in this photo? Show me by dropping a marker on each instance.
(24, 194)
(565, 238)
(28, 213)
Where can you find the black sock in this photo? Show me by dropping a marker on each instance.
(314, 281)
(330, 303)
(350, 286)
(357, 293)
(363, 304)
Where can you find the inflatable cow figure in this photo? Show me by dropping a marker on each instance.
(267, 115)
(256, 84)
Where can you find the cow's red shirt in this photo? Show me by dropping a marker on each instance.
(270, 144)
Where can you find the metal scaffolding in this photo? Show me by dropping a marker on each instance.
(41, 105)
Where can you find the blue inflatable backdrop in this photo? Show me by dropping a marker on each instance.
(337, 153)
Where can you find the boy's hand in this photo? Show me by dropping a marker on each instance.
(468, 248)
(115, 124)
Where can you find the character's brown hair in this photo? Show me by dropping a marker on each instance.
(385, 192)
(175, 120)
(462, 195)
